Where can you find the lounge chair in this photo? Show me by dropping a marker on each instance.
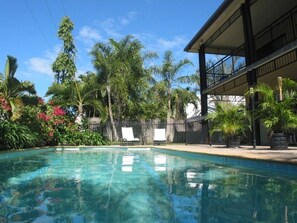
(159, 136)
(128, 136)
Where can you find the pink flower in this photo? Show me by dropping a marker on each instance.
(43, 116)
(4, 104)
(58, 111)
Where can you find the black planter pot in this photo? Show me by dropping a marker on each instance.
(233, 142)
(279, 141)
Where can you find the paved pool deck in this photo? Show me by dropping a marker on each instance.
(260, 153)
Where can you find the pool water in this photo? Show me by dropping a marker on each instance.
(142, 185)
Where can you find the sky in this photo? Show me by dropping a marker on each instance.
(29, 30)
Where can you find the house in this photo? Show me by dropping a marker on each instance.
(256, 41)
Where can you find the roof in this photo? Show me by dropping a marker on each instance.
(209, 22)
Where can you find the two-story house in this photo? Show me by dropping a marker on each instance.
(256, 41)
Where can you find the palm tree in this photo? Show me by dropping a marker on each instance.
(78, 93)
(278, 114)
(229, 119)
(108, 67)
(121, 73)
(13, 91)
(169, 72)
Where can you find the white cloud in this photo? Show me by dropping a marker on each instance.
(43, 64)
(177, 42)
(88, 36)
(125, 20)
(40, 65)
(90, 33)
(111, 28)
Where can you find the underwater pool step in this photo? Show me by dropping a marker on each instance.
(138, 149)
(67, 149)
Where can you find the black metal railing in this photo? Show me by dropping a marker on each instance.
(226, 67)
(276, 35)
(273, 37)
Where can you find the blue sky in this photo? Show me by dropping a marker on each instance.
(29, 30)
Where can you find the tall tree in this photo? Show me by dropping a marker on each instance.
(64, 65)
(13, 92)
(107, 67)
(170, 74)
(120, 69)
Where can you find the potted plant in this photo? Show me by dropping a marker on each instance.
(231, 120)
(277, 110)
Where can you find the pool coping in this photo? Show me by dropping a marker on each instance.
(247, 152)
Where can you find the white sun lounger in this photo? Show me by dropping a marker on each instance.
(128, 136)
(159, 136)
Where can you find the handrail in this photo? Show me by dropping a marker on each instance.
(225, 67)
(287, 24)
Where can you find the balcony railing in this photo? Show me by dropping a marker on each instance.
(272, 38)
(226, 67)
(276, 35)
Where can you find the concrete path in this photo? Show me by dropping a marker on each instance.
(260, 153)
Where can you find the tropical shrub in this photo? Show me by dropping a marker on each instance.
(229, 119)
(30, 119)
(278, 116)
(5, 108)
(85, 137)
(54, 122)
(15, 136)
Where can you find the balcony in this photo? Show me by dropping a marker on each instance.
(269, 40)
(226, 67)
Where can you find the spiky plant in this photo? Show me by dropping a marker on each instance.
(229, 119)
(278, 116)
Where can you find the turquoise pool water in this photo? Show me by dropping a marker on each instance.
(123, 185)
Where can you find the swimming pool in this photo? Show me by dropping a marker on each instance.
(143, 185)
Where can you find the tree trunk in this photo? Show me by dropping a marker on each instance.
(80, 108)
(169, 129)
(114, 131)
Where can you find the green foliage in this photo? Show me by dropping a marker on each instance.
(64, 33)
(30, 119)
(13, 93)
(15, 136)
(48, 121)
(64, 65)
(229, 119)
(170, 73)
(80, 94)
(54, 126)
(277, 116)
(85, 137)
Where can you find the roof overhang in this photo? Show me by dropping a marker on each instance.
(223, 13)
(223, 32)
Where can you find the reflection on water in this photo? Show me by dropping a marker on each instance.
(127, 163)
(139, 186)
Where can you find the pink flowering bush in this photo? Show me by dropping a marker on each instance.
(5, 107)
(54, 122)
(54, 126)
(48, 120)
